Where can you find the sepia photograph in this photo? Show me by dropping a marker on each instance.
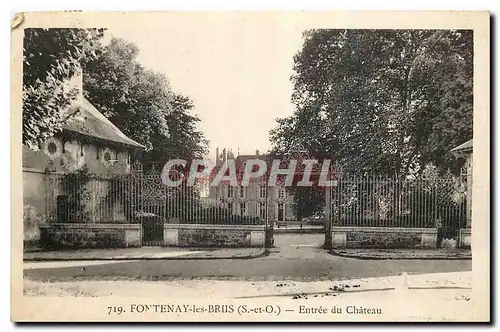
(250, 166)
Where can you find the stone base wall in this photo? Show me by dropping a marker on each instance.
(465, 238)
(76, 236)
(210, 235)
(383, 237)
(31, 245)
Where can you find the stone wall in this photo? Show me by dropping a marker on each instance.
(465, 238)
(68, 157)
(75, 236)
(209, 235)
(34, 193)
(383, 237)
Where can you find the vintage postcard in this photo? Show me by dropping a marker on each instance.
(250, 166)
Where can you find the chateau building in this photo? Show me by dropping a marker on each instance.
(252, 200)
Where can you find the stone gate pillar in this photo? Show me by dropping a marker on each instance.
(469, 190)
(328, 217)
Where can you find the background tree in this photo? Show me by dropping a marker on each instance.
(136, 100)
(381, 101)
(308, 201)
(186, 141)
(50, 58)
(141, 103)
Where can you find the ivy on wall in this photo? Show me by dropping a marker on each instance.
(75, 186)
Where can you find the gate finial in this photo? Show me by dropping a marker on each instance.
(137, 167)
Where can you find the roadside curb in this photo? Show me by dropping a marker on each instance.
(374, 257)
(178, 258)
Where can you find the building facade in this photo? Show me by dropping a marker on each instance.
(464, 151)
(254, 200)
(88, 140)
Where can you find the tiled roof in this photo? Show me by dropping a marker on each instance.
(89, 121)
(463, 147)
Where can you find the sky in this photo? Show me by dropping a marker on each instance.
(237, 71)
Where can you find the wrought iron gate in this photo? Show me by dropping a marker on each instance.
(157, 204)
(382, 201)
(149, 208)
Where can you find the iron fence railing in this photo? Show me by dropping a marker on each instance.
(142, 197)
(135, 198)
(376, 201)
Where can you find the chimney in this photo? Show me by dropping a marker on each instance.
(76, 82)
(217, 156)
(257, 152)
(238, 152)
(224, 155)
